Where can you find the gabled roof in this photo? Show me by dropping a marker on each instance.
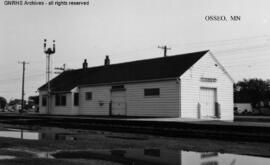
(149, 69)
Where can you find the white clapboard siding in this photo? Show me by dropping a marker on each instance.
(100, 94)
(191, 84)
(62, 110)
(57, 110)
(165, 105)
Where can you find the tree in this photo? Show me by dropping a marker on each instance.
(252, 90)
(3, 102)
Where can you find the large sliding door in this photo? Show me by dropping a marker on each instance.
(208, 102)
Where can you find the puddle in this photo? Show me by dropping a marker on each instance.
(19, 134)
(40, 134)
(46, 155)
(49, 133)
(3, 157)
(163, 157)
(123, 156)
(25, 153)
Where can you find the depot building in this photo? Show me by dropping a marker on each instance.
(193, 85)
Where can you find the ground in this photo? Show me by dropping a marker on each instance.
(35, 151)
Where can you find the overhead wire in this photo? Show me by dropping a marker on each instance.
(248, 51)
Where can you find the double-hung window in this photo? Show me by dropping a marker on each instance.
(60, 100)
(44, 100)
(88, 96)
(76, 99)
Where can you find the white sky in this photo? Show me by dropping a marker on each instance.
(131, 30)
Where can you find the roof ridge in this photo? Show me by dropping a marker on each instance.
(149, 59)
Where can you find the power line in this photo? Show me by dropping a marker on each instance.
(60, 69)
(133, 51)
(29, 76)
(243, 49)
(8, 74)
(17, 72)
(222, 41)
(248, 65)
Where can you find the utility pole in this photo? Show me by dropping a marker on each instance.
(22, 103)
(48, 52)
(165, 48)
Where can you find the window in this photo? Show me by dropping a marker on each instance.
(151, 92)
(57, 100)
(63, 100)
(76, 99)
(44, 100)
(60, 100)
(88, 96)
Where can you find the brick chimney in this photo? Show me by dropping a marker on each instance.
(107, 61)
(85, 64)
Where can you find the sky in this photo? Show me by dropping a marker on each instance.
(129, 30)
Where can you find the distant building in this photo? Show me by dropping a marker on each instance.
(33, 103)
(242, 107)
(15, 105)
(193, 85)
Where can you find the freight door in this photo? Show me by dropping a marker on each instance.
(118, 103)
(207, 102)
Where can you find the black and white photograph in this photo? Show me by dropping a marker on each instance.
(134, 82)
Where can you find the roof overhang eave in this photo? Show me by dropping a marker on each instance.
(129, 82)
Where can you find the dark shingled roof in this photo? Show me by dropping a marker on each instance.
(157, 68)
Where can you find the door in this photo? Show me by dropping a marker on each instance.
(118, 103)
(207, 102)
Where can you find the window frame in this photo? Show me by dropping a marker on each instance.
(87, 98)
